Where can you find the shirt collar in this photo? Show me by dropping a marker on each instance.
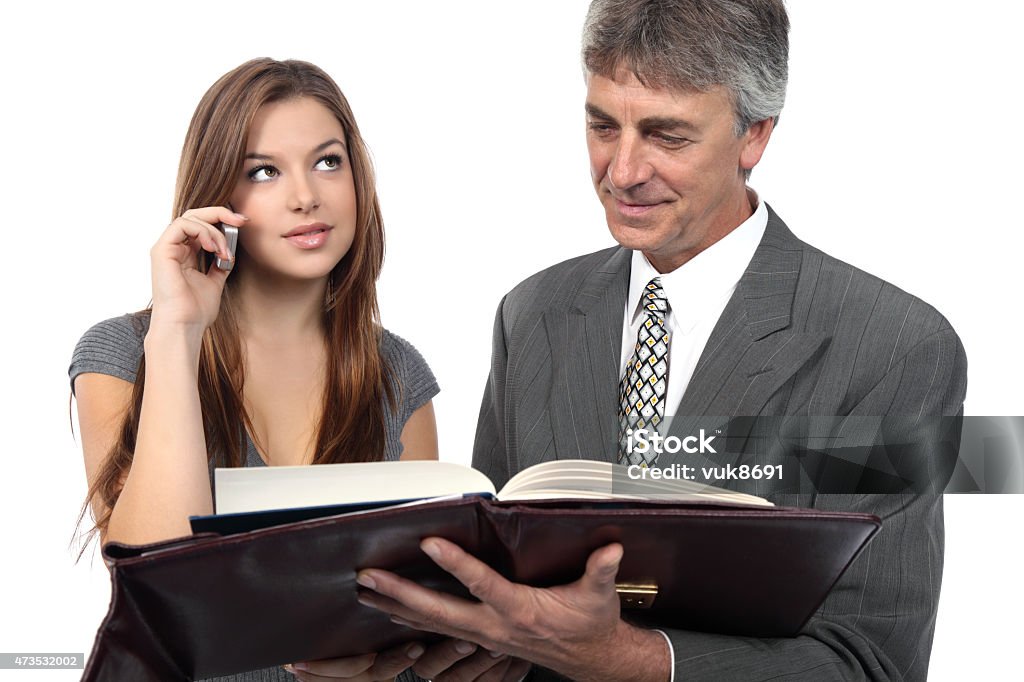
(706, 281)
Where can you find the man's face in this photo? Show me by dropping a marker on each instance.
(667, 165)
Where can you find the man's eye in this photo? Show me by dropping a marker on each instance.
(600, 128)
(670, 140)
(263, 173)
(329, 162)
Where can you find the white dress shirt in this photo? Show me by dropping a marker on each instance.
(697, 293)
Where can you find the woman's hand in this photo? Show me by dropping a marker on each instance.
(379, 667)
(451, 660)
(183, 295)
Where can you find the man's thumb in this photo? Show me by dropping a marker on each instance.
(602, 567)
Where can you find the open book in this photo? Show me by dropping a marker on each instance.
(191, 608)
(267, 488)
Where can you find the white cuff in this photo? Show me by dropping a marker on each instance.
(671, 657)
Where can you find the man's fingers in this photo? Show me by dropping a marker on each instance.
(602, 567)
(410, 618)
(481, 580)
(426, 609)
(442, 656)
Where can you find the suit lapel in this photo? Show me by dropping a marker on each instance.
(586, 340)
(753, 349)
(751, 353)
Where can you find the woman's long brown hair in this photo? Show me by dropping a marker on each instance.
(351, 427)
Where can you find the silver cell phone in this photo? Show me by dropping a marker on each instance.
(231, 232)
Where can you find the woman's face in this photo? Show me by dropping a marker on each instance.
(297, 191)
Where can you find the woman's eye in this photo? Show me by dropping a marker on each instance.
(329, 162)
(263, 173)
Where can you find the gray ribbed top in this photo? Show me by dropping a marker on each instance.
(114, 347)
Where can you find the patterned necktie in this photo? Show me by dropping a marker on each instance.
(644, 382)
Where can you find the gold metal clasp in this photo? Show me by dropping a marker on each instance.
(636, 595)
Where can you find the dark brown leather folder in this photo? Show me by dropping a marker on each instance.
(210, 605)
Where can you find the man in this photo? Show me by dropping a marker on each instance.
(682, 99)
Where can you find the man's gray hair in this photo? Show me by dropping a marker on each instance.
(696, 45)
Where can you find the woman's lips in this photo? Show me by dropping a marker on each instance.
(309, 236)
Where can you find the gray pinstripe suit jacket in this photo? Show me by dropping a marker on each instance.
(804, 334)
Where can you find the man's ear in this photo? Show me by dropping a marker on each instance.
(754, 142)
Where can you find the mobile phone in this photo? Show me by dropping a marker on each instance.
(231, 232)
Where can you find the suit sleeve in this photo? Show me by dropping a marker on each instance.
(490, 454)
(877, 622)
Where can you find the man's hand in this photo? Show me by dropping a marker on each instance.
(574, 629)
(452, 660)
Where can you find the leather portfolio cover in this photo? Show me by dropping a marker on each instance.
(210, 605)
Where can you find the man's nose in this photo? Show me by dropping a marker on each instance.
(302, 196)
(629, 166)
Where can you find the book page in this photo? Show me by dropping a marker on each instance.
(591, 479)
(283, 487)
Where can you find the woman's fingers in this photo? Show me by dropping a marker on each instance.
(369, 668)
(207, 236)
(197, 229)
(182, 294)
(441, 656)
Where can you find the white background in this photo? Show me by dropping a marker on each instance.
(898, 151)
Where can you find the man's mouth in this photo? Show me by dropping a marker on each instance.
(634, 209)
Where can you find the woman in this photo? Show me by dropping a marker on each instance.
(280, 360)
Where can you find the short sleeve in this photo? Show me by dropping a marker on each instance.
(112, 347)
(415, 382)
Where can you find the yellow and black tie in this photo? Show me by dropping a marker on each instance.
(645, 380)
